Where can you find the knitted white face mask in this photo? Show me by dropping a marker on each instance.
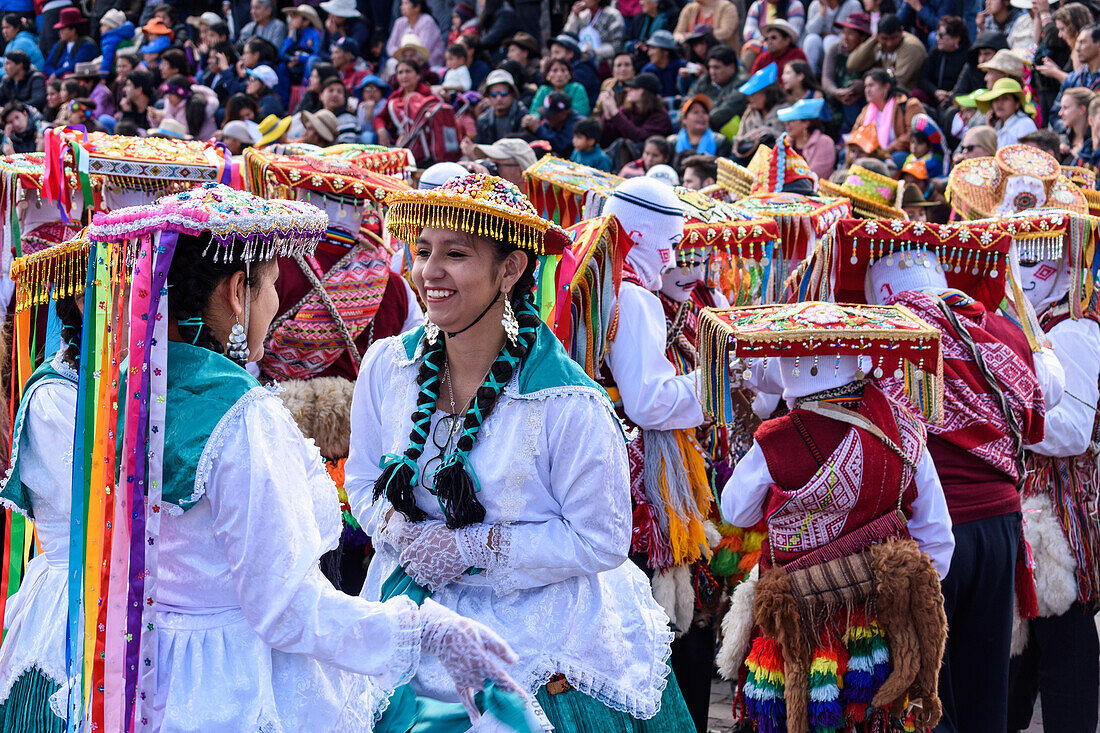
(799, 377)
(898, 272)
(678, 282)
(1044, 283)
(651, 214)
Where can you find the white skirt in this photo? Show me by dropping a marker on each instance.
(36, 618)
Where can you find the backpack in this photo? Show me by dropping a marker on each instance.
(433, 134)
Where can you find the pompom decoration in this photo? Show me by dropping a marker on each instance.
(868, 665)
(826, 713)
(764, 686)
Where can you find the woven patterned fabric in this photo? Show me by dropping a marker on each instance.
(308, 342)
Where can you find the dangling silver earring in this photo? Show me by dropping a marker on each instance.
(431, 332)
(237, 346)
(511, 325)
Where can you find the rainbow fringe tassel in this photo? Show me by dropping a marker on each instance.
(826, 713)
(764, 686)
(868, 665)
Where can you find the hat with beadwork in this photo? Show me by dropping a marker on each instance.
(891, 337)
(873, 195)
(774, 168)
(1017, 178)
(51, 273)
(476, 204)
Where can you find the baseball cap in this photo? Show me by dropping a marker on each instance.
(266, 75)
(556, 102)
(500, 76)
(348, 45)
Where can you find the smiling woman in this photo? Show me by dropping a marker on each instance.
(485, 496)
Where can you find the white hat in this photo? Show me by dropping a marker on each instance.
(663, 172)
(265, 74)
(509, 147)
(172, 128)
(243, 131)
(895, 273)
(436, 175)
(653, 217)
(341, 8)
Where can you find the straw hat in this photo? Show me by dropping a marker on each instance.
(873, 196)
(323, 123)
(308, 12)
(1003, 87)
(1017, 178)
(411, 41)
(272, 128)
(1006, 62)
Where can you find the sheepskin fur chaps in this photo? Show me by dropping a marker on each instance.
(322, 409)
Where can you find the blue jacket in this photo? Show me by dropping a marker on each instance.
(594, 158)
(929, 16)
(668, 76)
(62, 60)
(561, 141)
(302, 45)
(111, 41)
(26, 42)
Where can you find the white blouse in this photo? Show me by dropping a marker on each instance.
(553, 473)
(250, 634)
(1068, 424)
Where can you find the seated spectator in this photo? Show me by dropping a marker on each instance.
(599, 27)
(320, 128)
(844, 88)
(979, 141)
(372, 93)
(241, 107)
(891, 48)
(554, 123)
(457, 78)
(981, 51)
(258, 52)
(780, 39)
(511, 157)
(944, 64)
(1069, 19)
(344, 19)
(345, 58)
(656, 151)
(505, 114)
(19, 37)
(303, 41)
(586, 146)
(311, 97)
(566, 48)
(700, 171)
(173, 62)
(410, 93)
(720, 15)
(654, 15)
(498, 22)
(558, 77)
(622, 71)
(192, 105)
(115, 33)
(261, 85)
(1005, 64)
(151, 51)
(696, 47)
(238, 135)
(927, 145)
(1015, 23)
(1008, 110)
(760, 124)
(822, 31)
(524, 50)
(695, 136)
(1077, 150)
(759, 15)
(720, 84)
(882, 128)
(664, 62)
(139, 94)
(464, 22)
(1086, 75)
(263, 25)
(799, 82)
(53, 100)
(95, 86)
(21, 83)
(914, 204)
(642, 116)
(802, 121)
(334, 98)
(22, 131)
(71, 48)
(1045, 139)
(478, 66)
(416, 19)
(80, 112)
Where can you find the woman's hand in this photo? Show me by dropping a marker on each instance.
(530, 122)
(1048, 68)
(608, 103)
(384, 137)
(436, 555)
(943, 96)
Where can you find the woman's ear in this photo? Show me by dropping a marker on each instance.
(514, 265)
(235, 294)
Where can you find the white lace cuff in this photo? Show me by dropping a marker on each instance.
(481, 546)
(406, 641)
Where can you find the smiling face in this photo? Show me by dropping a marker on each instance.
(696, 120)
(791, 79)
(457, 275)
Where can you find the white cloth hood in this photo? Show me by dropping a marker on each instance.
(652, 216)
(1045, 283)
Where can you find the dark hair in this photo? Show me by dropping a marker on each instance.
(177, 59)
(803, 69)
(15, 20)
(268, 54)
(72, 326)
(17, 56)
(457, 49)
(13, 106)
(143, 80)
(883, 76)
(955, 27)
(229, 51)
(126, 127)
(588, 128)
(662, 143)
(74, 88)
(192, 279)
(889, 24)
(454, 488)
(421, 5)
(194, 108)
(1093, 30)
(414, 65)
(334, 81)
(219, 29)
(236, 103)
(558, 62)
(324, 71)
(706, 165)
(515, 68)
(173, 16)
(723, 54)
(1044, 139)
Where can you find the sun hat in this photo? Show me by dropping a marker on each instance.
(375, 80)
(156, 27)
(803, 109)
(171, 128)
(308, 12)
(911, 196)
(697, 99)
(265, 74)
(341, 8)
(858, 21)
(783, 26)
(761, 80)
(272, 128)
(242, 131)
(1002, 87)
(436, 175)
(476, 204)
(86, 69)
(509, 147)
(68, 18)
(1006, 62)
(411, 41)
(662, 39)
(323, 123)
(1017, 178)
(500, 76)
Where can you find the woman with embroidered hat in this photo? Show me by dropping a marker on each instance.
(467, 471)
(1008, 111)
(239, 628)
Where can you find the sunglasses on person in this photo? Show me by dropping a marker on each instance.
(967, 148)
(498, 95)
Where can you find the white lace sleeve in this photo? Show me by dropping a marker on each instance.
(270, 496)
(589, 482)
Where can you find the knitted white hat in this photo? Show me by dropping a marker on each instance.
(436, 175)
(915, 270)
(650, 212)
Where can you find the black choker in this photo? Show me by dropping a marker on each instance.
(491, 304)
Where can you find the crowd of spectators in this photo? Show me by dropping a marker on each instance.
(626, 86)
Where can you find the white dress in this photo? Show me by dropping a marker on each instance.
(36, 616)
(553, 473)
(251, 636)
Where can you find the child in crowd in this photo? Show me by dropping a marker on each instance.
(586, 149)
(464, 22)
(657, 150)
(926, 145)
(457, 77)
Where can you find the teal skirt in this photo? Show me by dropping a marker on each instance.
(575, 712)
(27, 709)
